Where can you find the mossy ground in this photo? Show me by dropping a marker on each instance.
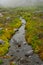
(8, 22)
(34, 29)
(34, 32)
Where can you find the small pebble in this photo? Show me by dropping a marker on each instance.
(24, 43)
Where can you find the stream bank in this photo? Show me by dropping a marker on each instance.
(21, 53)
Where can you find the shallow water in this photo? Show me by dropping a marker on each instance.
(20, 50)
(20, 34)
(19, 38)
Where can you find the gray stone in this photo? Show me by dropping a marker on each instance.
(24, 43)
(29, 53)
(8, 18)
(15, 29)
(1, 42)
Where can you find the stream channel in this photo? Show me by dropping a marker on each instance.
(21, 53)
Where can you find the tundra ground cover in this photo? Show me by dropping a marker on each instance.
(8, 23)
(34, 30)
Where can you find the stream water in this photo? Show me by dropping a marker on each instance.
(20, 51)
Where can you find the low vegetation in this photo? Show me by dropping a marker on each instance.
(34, 31)
(8, 23)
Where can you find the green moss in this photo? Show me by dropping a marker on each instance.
(1, 61)
(8, 29)
(1, 32)
(34, 31)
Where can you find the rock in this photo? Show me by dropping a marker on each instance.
(1, 15)
(29, 53)
(1, 42)
(1, 28)
(24, 43)
(19, 45)
(21, 59)
(15, 30)
(8, 18)
(30, 56)
(24, 61)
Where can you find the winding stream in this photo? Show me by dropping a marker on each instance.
(19, 40)
(20, 51)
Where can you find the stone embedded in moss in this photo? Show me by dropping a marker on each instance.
(1, 42)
